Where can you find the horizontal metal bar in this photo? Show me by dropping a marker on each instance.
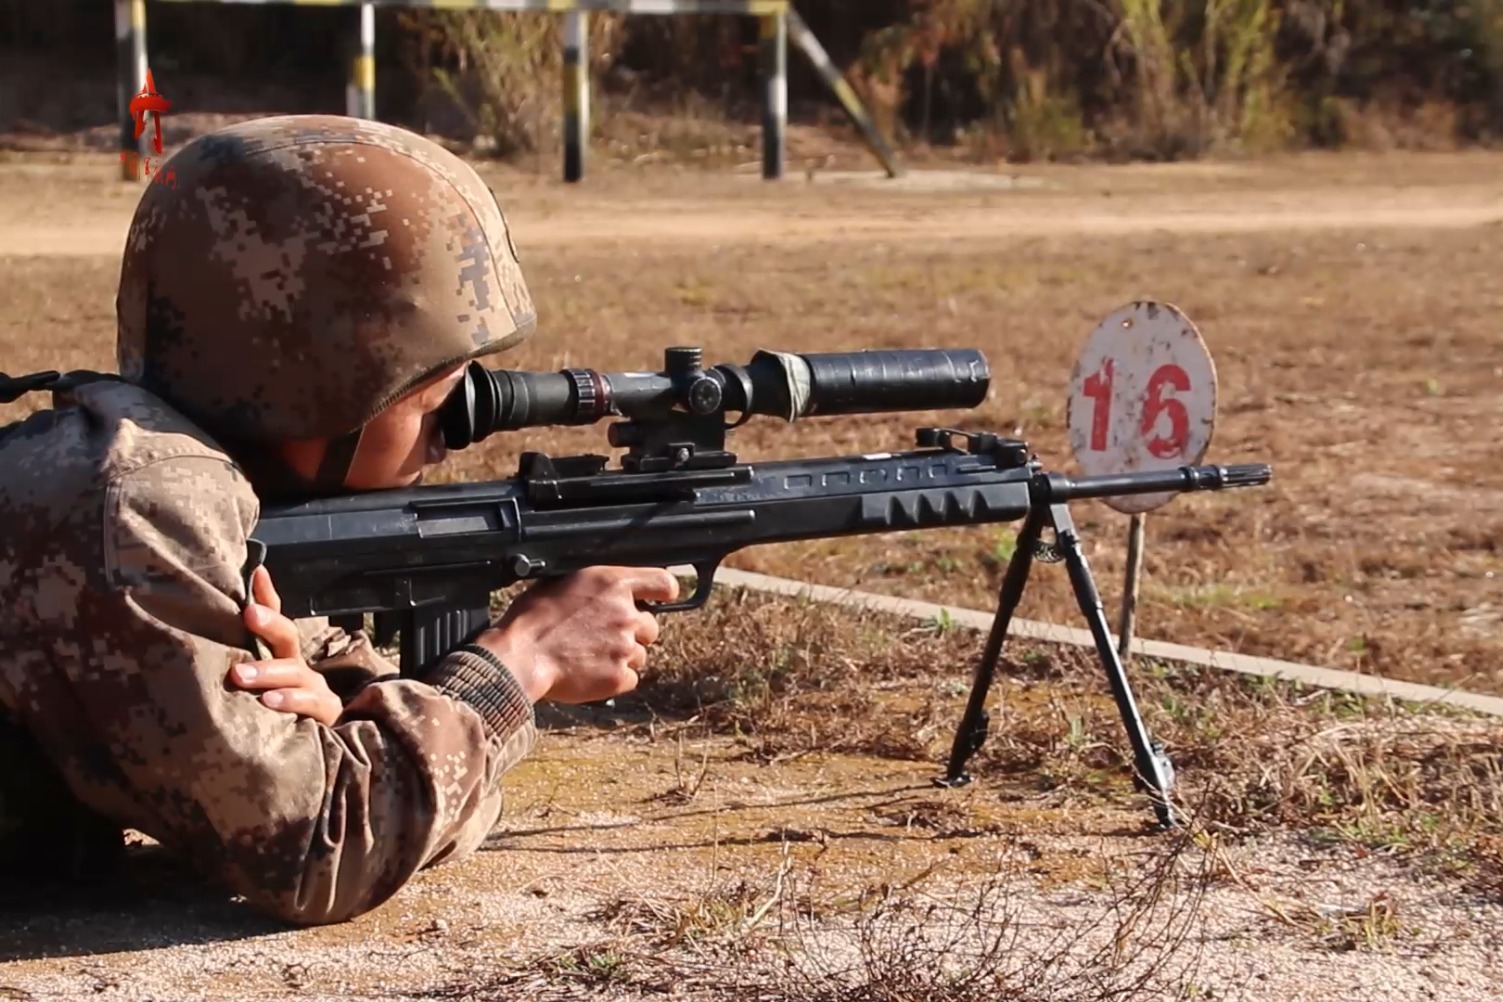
(750, 7)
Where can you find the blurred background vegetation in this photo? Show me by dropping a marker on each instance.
(1009, 79)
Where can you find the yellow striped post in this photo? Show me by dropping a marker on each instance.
(360, 92)
(753, 8)
(576, 94)
(854, 109)
(774, 53)
(130, 69)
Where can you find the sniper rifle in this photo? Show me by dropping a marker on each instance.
(425, 560)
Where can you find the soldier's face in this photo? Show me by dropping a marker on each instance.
(404, 438)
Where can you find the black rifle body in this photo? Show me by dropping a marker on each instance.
(425, 553)
(451, 546)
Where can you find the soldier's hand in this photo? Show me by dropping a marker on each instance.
(581, 638)
(285, 681)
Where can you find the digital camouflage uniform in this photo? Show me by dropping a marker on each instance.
(293, 277)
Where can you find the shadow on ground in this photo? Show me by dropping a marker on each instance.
(155, 903)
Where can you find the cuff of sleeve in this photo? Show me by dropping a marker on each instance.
(473, 675)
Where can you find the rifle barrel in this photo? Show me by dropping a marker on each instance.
(1185, 478)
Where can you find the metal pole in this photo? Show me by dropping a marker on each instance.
(576, 94)
(1130, 589)
(360, 92)
(849, 101)
(130, 68)
(774, 52)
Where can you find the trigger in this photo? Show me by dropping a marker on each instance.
(704, 581)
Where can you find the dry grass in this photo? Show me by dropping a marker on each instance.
(792, 941)
(791, 677)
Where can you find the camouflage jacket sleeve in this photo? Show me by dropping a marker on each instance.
(347, 661)
(310, 823)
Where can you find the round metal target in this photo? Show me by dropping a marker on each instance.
(1142, 397)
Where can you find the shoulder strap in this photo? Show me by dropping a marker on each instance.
(13, 388)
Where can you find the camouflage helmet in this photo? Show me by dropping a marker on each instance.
(290, 277)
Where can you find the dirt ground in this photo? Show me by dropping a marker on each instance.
(765, 827)
(1352, 304)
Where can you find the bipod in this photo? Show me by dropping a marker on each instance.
(1154, 773)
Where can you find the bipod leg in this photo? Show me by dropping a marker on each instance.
(971, 734)
(1154, 770)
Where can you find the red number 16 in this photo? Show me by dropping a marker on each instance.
(1098, 386)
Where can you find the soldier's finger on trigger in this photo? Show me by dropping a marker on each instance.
(670, 584)
(653, 584)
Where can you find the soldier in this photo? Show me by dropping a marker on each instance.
(291, 315)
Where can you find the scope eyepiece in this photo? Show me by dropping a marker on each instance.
(778, 384)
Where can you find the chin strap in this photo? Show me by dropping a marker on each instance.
(13, 388)
(334, 468)
(277, 483)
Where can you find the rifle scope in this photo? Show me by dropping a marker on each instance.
(778, 384)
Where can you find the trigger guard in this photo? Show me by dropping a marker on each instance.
(704, 584)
